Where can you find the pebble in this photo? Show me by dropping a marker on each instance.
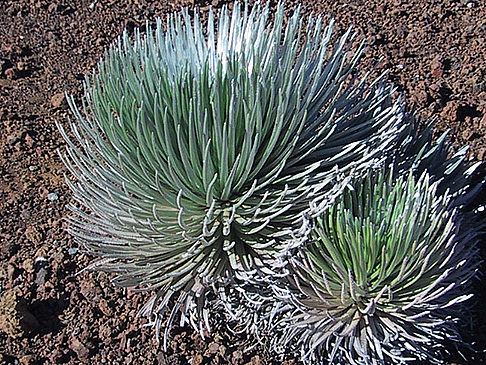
(57, 100)
(25, 214)
(11, 272)
(29, 140)
(72, 250)
(52, 196)
(41, 277)
(10, 73)
(34, 234)
(27, 360)
(15, 318)
(79, 348)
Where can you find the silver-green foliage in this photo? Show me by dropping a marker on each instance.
(257, 308)
(197, 149)
(381, 275)
(420, 151)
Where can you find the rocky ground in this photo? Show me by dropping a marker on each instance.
(435, 53)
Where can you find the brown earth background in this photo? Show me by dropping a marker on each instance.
(434, 51)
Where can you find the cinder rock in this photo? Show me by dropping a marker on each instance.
(79, 348)
(197, 359)
(41, 277)
(33, 234)
(57, 100)
(437, 68)
(27, 360)
(15, 318)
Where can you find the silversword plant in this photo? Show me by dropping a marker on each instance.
(381, 275)
(263, 309)
(197, 149)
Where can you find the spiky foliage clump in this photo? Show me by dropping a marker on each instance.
(195, 149)
(381, 275)
(258, 308)
(419, 151)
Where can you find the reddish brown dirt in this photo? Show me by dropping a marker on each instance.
(435, 53)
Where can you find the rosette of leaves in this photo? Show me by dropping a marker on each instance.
(381, 276)
(196, 148)
(257, 308)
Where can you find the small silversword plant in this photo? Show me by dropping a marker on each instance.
(263, 309)
(380, 276)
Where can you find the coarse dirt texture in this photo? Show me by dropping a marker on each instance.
(435, 53)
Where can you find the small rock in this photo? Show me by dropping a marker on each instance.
(73, 250)
(402, 31)
(52, 8)
(213, 348)
(482, 97)
(197, 360)
(436, 68)
(15, 318)
(33, 234)
(79, 348)
(28, 265)
(106, 334)
(21, 66)
(434, 87)
(25, 214)
(482, 155)
(162, 359)
(450, 111)
(14, 137)
(237, 356)
(57, 261)
(9, 249)
(32, 168)
(5, 83)
(41, 253)
(52, 197)
(10, 73)
(57, 100)
(27, 360)
(89, 290)
(55, 356)
(40, 260)
(105, 307)
(29, 141)
(255, 360)
(41, 277)
(11, 272)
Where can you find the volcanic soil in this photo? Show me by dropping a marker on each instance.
(434, 51)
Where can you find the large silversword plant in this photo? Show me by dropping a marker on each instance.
(382, 274)
(196, 149)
